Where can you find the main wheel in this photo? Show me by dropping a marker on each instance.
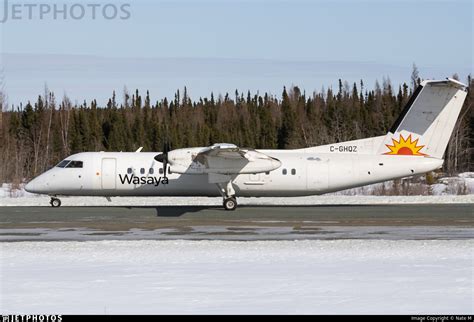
(230, 203)
(55, 202)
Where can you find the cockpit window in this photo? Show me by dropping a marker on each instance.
(63, 163)
(75, 164)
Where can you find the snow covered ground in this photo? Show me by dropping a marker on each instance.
(326, 277)
(217, 201)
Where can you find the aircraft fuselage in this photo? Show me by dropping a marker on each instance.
(302, 173)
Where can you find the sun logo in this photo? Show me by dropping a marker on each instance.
(405, 147)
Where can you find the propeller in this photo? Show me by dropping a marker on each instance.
(163, 157)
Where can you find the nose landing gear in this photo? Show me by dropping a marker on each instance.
(55, 202)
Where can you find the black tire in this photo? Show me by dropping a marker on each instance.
(230, 204)
(55, 203)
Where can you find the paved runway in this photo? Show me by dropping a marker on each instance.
(414, 221)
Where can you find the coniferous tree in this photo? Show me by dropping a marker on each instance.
(288, 125)
(38, 135)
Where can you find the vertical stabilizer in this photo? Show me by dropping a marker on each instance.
(427, 122)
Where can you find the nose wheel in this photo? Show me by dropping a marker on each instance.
(55, 202)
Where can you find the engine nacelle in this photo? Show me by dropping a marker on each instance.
(189, 161)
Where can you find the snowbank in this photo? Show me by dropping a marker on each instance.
(321, 277)
(463, 183)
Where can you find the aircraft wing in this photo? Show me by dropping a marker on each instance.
(222, 150)
(230, 151)
(222, 158)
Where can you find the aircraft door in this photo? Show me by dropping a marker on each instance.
(254, 179)
(109, 173)
(317, 174)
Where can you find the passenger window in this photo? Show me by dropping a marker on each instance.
(75, 164)
(284, 172)
(129, 170)
(63, 163)
(152, 171)
(160, 171)
(293, 171)
(142, 170)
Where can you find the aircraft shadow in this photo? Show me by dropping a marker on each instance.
(175, 211)
(178, 211)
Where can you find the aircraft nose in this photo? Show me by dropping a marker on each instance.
(31, 186)
(37, 185)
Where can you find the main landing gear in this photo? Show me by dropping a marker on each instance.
(55, 202)
(230, 203)
(228, 194)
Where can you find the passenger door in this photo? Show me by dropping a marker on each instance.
(109, 173)
(317, 174)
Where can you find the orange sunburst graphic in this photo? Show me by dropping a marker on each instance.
(405, 147)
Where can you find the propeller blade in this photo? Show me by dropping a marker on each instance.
(163, 157)
(160, 157)
(165, 167)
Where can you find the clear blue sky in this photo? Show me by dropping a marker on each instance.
(434, 34)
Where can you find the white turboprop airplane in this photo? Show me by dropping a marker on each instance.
(414, 145)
